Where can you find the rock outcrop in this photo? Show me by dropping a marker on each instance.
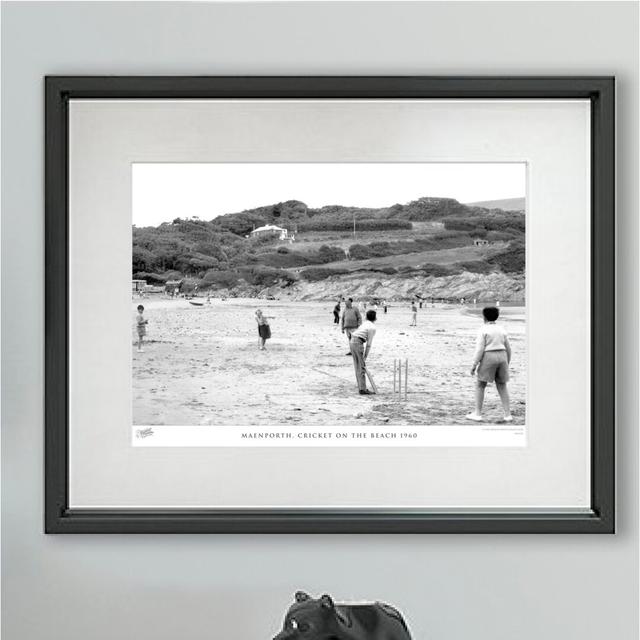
(492, 286)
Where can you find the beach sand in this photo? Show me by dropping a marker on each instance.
(202, 366)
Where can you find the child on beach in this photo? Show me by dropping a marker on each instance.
(141, 326)
(336, 313)
(491, 362)
(414, 314)
(264, 330)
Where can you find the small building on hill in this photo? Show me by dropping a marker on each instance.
(480, 242)
(270, 230)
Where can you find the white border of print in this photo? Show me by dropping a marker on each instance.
(334, 435)
(472, 435)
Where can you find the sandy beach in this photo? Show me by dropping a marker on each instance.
(202, 366)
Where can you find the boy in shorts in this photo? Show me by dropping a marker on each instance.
(491, 362)
(141, 326)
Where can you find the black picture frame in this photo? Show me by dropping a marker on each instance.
(59, 518)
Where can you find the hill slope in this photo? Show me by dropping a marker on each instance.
(508, 204)
(423, 239)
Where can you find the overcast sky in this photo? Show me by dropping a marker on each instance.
(162, 192)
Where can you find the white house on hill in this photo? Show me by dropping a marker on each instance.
(270, 229)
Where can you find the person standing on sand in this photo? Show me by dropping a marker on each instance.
(141, 327)
(351, 320)
(362, 335)
(491, 361)
(264, 330)
(336, 313)
(414, 314)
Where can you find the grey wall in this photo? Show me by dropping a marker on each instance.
(167, 587)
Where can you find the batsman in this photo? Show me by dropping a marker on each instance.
(362, 336)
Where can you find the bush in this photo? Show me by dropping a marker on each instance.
(437, 270)
(388, 270)
(474, 266)
(261, 276)
(500, 236)
(313, 274)
(283, 249)
(460, 224)
(359, 252)
(513, 223)
(511, 260)
(294, 259)
(327, 254)
(202, 262)
(157, 278)
(222, 279)
(347, 225)
(444, 240)
(283, 260)
(264, 240)
(380, 249)
(480, 232)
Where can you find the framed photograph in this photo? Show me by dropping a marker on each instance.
(330, 304)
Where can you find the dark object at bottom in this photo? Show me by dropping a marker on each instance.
(319, 619)
(365, 392)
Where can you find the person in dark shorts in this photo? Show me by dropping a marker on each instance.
(362, 335)
(141, 327)
(491, 363)
(336, 313)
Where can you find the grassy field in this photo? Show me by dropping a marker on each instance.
(313, 240)
(309, 242)
(416, 260)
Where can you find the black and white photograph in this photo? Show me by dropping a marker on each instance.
(383, 296)
(370, 294)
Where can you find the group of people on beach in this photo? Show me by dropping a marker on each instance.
(490, 363)
(491, 359)
(362, 308)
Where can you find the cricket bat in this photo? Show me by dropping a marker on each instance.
(373, 384)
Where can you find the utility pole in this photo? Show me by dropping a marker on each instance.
(354, 226)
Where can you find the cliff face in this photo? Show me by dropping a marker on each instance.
(485, 287)
(466, 285)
